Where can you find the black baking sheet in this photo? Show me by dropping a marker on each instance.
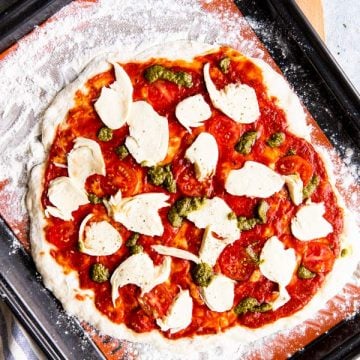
(322, 87)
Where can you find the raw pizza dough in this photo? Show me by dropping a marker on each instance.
(80, 302)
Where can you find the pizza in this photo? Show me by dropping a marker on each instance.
(182, 201)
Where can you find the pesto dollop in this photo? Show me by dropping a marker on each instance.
(311, 186)
(304, 273)
(224, 65)
(159, 72)
(132, 245)
(182, 208)
(122, 152)
(105, 134)
(94, 199)
(99, 273)
(262, 210)
(252, 254)
(202, 274)
(162, 176)
(246, 223)
(246, 142)
(276, 139)
(250, 304)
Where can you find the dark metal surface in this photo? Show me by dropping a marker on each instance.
(315, 77)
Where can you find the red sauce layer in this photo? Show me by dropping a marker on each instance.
(139, 313)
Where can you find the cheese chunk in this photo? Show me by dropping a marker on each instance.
(99, 238)
(114, 104)
(175, 252)
(278, 265)
(214, 212)
(149, 134)
(139, 269)
(66, 197)
(309, 223)
(295, 187)
(254, 180)
(192, 112)
(238, 101)
(85, 159)
(179, 315)
(219, 294)
(139, 213)
(204, 154)
(211, 247)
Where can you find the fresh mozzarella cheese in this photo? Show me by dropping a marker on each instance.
(98, 238)
(139, 213)
(215, 212)
(278, 265)
(309, 223)
(175, 252)
(66, 197)
(295, 186)
(149, 134)
(85, 159)
(254, 180)
(138, 269)
(219, 294)
(179, 315)
(114, 104)
(192, 112)
(203, 153)
(238, 101)
(211, 247)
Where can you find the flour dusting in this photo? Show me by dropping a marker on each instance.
(53, 55)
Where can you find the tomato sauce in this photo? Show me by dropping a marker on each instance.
(139, 313)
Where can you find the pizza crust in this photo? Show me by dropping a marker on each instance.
(65, 286)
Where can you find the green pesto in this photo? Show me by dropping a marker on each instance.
(252, 255)
(132, 240)
(276, 139)
(182, 208)
(105, 134)
(122, 152)
(159, 72)
(94, 199)
(202, 274)
(246, 223)
(224, 64)
(136, 249)
(344, 252)
(99, 273)
(304, 273)
(232, 216)
(291, 152)
(311, 186)
(162, 176)
(250, 304)
(246, 142)
(261, 211)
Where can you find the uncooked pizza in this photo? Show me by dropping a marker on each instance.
(182, 200)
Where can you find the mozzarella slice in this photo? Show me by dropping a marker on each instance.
(139, 269)
(66, 197)
(85, 159)
(149, 134)
(178, 253)
(238, 101)
(254, 180)
(179, 315)
(114, 104)
(214, 212)
(309, 223)
(211, 247)
(139, 213)
(99, 238)
(219, 294)
(278, 265)
(192, 111)
(203, 153)
(295, 186)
